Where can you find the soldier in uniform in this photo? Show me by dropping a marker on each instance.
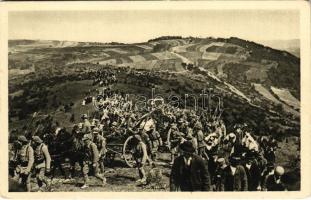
(59, 147)
(25, 160)
(156, 141)
(87, 127)
(198, 134)
(42, 162)
(100, 142)
(91, 158)
(174, 138)
(77, 149)
(140, 156)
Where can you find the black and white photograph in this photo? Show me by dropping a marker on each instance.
(154, 100)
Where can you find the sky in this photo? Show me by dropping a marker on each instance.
(130, 26)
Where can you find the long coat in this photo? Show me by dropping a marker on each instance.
(199, 176)
(237, 183)
(253, 176)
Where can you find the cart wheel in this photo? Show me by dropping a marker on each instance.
(128, 151)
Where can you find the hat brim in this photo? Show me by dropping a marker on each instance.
(187, 149)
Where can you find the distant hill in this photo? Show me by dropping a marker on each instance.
(292, 46)
(256, 73)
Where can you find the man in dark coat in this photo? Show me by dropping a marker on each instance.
(234, 177)
(252, 171)
(189, 171)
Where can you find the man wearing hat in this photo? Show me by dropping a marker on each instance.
(219, 173)
(234, 178)
(42, 161)
(252, 171)
(25, 159)
(91, 158)
(100, 142)
(212, 164)
(189, 171)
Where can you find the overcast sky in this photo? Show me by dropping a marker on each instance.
(131, 26)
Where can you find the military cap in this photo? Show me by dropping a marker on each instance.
(22, 138)
(37, 139)
(95, 130)
(87, 137)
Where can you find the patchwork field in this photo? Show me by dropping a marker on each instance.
(264, 92)
(164, 55)
(256, 73)
(210, 56)
(182, 48)
(145, 46)
(137, 58)
(119, 51)
(286, 97)
(110, 61)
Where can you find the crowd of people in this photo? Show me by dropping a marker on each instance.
(205, 156)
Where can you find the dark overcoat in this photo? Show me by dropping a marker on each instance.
(199, 176)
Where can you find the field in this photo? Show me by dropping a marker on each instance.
(164, 55)
(264, 92)
(286, 97)
(144, 46)
(137, 58)
(210, 56)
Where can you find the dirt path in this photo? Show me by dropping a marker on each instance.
(120, 178)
